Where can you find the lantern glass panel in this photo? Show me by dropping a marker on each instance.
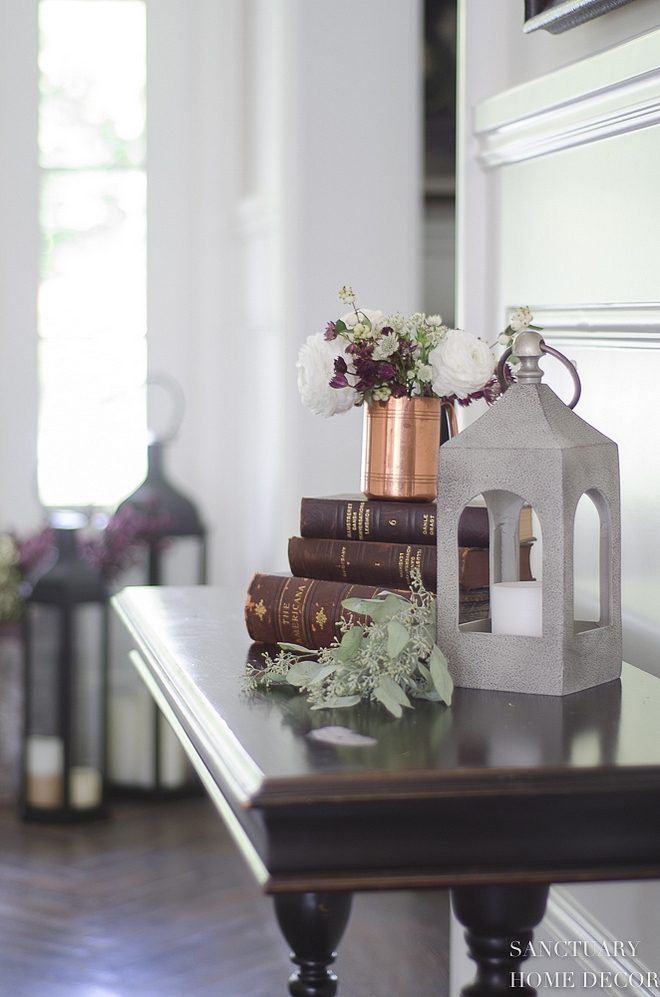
(180, 561)
(65, 723)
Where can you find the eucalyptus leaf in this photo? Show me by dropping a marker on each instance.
(394, 690)
(429, 694)
(350, 644)
(440, 675)
(340, 326)
(302, 672)
(363, 606)
(397, 638)
(388, 702)
(297, 649)
(385, 609)
(323, 673)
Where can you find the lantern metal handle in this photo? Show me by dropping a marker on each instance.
(577, 387)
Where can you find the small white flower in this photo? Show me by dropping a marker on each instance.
(520, 319)
(360, 329)
(386, 347)
(346, 294)
(461, 364)
(315, 365)
(425, 372)
(504, 339)
(434, 321)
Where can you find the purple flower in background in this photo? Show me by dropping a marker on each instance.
(330, 333)
(398, 391)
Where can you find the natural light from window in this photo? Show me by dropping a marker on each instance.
(92, 296)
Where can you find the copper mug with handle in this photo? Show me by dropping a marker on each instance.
(400, 447)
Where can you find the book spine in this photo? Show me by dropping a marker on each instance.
(386, 522)
(389, 564)
(302, 611)
(356, 519)
(362, 563)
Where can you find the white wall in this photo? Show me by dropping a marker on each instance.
(19, 265)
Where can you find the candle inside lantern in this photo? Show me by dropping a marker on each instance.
(45, 771)
(85, 787)
(517, 608)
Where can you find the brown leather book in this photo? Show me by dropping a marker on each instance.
(302, 611)
(388, 563)
(352, 517)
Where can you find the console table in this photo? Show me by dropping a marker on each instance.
(495, 798)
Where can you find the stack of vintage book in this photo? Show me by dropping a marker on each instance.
(350, 546)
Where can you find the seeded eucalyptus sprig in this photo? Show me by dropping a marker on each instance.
(392, 659)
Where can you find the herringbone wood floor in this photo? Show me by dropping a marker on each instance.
(157, 902)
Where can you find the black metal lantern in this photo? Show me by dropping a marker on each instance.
(65, 685)
(146, 758)
(178, 555)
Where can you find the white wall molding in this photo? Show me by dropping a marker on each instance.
(609, 94)
(634, 325)
(623, 107)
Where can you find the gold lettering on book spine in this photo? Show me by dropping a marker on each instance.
(296, 613)
(349, 520)
(367, 520)
(343, 562)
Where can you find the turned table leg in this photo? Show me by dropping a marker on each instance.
(499, 922)
(313, 924)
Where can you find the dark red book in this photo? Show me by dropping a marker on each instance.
(388, 564)
(302, 611)
(352, 517)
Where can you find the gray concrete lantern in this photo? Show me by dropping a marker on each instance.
(530, 447)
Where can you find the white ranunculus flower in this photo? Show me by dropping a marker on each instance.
(315, 365)
(461, 364)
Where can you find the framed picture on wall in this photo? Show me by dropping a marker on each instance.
(556, 16)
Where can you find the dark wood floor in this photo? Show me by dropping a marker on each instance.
(158, 903)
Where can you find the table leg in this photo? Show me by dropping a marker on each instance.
(313, 924)
(499, 922)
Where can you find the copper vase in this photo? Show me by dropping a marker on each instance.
(400, 447)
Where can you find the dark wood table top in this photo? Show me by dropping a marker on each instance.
(498, 788)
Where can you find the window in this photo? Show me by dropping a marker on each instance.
(92, 295)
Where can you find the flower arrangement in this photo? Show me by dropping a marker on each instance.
(367, 356)
(390, 660)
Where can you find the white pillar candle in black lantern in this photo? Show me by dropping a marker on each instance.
(65, 685)
(146, 758)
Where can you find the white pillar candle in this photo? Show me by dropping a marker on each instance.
(85, 787)
(517, 608)
(45, 771)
